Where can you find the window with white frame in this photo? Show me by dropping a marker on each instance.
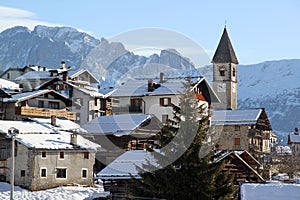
(44, 154)
(43, 172)
(61, 172)
(84, 173)
(61, 155)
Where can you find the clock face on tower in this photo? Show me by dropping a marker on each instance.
(221, 87)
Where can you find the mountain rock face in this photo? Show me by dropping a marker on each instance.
(273, 85)
(44, 46)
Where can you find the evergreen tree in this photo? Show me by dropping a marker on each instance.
(179, 172)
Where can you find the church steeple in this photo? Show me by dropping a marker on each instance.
(225, 74)
(225, 52)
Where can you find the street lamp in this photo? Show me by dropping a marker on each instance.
(12, 131)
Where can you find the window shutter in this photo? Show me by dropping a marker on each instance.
(161, 101)
(169, 101)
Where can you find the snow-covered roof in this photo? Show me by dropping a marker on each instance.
(230, 117)
(117, 125)
(140, 87)
(294, 138)
(74, 73)
(34, 75)
(29, 95)
(93, 92)
(41, 125)
(5, 84)
(126, 165)
(25, 127)
(38, 133)
(272, 190)
(61, 124)
(60, 140)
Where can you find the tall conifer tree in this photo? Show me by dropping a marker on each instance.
(179, 171)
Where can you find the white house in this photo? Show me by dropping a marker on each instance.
(46, 156)
(294, 142)
(155, 96)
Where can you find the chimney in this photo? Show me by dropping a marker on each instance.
(65, 76)
(162, 77)
(53, 120)
(63, 65)
(39, 68)
(74, 139)
(150, 85)
(44, 68)
(296, 131)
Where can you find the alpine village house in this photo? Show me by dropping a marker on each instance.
(49, 152)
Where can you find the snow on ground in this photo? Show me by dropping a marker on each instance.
(59, 193)
(272, 190)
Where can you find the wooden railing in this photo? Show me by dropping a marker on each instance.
(44, 112)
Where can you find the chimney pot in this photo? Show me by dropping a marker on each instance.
(73, 139)
(150, 85)
(162, 77)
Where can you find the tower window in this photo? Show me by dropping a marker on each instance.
(222, 71)
(233, 72)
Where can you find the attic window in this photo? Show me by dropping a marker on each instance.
(166, 101)
(44, 154)
(61, 155)
(86, 155)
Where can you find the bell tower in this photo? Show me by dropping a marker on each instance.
(225, 74)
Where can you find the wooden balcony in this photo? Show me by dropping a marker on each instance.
(44, 112)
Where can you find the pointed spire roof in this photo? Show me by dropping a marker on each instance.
(225, 52)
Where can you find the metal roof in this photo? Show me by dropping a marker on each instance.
(117, 125)
(231, 117)
(126, 165)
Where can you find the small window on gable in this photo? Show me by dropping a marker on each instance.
(61, 155)
(236, 127)
(44, 154)
(165, 101)
(86, 155)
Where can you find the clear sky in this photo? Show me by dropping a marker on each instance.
(259, 30)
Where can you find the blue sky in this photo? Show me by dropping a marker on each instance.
(259, 30)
